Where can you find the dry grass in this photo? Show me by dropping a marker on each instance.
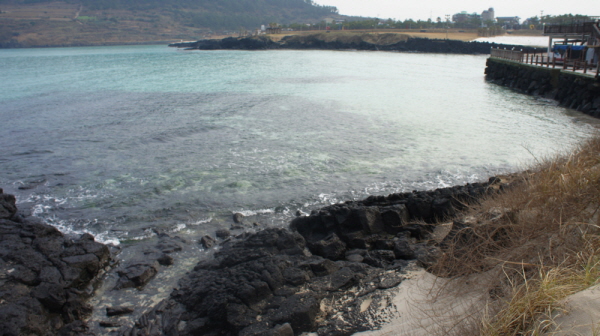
(539, 240)
(452, 34)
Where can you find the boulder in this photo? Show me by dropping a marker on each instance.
(208, 242)
(137, 273)
(223, 233)
(238, 218)
(332, 247)
(8, 207)
(120, 310)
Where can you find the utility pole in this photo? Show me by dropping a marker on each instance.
(447, 24)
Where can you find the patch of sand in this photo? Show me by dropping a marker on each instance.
(581, 314)
(429, 305)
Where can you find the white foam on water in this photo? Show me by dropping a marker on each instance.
(66, 228)
(248, 213)
(178, 227)
(202, 221)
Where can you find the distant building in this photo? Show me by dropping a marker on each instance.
(488, 15)
(509, 22)
(273, 30)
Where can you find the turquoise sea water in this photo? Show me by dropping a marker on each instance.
(118, 141)
(124, 142)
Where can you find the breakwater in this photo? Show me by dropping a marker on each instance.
(367, 42)
(571, 89)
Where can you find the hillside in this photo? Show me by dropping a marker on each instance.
(30, 23)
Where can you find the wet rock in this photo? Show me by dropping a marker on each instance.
(120, 310)
(44, 276)
(223, 233)
(32, 184)
(165, 260)
(109, 324)
(8, 206)
(238, 218)
(137, 274)
(208, 242)
(168, 244)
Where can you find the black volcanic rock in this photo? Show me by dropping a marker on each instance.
(44, 275)
(8, 207)
(312, 277)
(265, 284)
(358, 42)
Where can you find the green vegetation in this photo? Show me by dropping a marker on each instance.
(93, 22)
(538, 22)
(213, 14)
(474, 22)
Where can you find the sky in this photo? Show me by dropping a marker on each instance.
(425, 9)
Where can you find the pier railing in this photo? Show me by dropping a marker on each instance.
(513, 55)
(543, 60)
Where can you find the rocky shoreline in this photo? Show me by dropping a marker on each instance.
(384, 42)
(328, 273)
(45, 276)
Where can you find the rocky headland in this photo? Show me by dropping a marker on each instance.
(327, 273)
(365, 41)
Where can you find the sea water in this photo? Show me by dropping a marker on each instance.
(120, 141)
(127, 142)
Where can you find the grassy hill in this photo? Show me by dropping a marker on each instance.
(30, 23)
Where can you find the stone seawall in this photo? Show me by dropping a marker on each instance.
(572, 90)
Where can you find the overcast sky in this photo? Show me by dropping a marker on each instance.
(424, 9)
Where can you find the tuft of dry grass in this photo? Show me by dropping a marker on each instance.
(540, 241)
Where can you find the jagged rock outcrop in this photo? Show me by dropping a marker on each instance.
(269, 283)
(45, 277)
(328, 274)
